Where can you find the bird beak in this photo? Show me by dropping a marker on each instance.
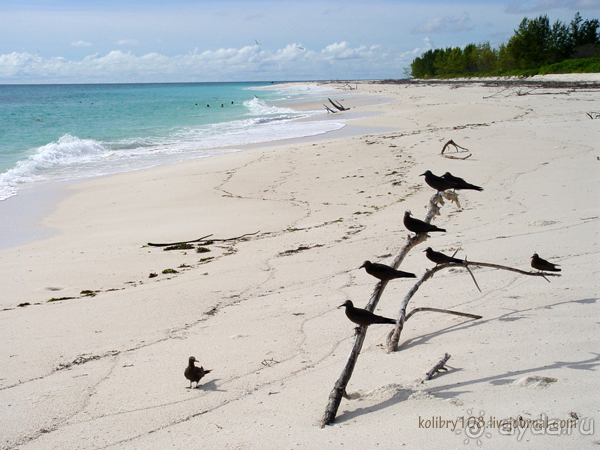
(422, 174)
(363, 265)
(343, 304)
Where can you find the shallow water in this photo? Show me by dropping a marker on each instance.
(68, 132)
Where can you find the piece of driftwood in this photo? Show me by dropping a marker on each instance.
(202, 239)
(329, 110)
(447, 311)
(593, 115)
(237, 237)
(441, 365)
(456, 147)
(339, 389)
(179, 243)
(338, 105)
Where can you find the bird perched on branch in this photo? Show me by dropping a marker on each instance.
(385, 273)
(363, 317)
(440, 258)
(438, 183)
(193, 373)
(460, 183)
(543, 265)
(418, 226)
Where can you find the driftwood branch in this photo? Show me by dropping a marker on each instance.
(335, 397)
(593, 115)
(510, 269)
(456, 147)
(179, 243)
(441, 365)
(338, 105)
(447, 311)
(203, 239)
(237, 237)
(473, 276)
(329, 110)
(394, 336)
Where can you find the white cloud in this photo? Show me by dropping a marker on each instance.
(127, 42)
(543, 6)
(81, 44)
(293, 62)
(445, 24)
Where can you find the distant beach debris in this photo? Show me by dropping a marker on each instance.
(593, 115)
(336, 105)
(458, 149)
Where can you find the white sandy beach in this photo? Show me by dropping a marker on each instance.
(106, 371)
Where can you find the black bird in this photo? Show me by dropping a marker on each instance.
(440, 258)
(418, 226)
(362, 316)
(193, 373)
(438, 183)
(460, 183)
(385, 273)
(541, 264)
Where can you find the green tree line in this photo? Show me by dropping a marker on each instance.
(535, 44)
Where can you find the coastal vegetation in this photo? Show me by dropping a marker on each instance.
(537, 47)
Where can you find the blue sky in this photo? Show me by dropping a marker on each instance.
(45, 41)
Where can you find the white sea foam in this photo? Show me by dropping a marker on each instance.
(307, 91)
(68, 150)
(72, 158)
(258, 107)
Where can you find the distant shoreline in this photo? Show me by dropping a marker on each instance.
(541, 81)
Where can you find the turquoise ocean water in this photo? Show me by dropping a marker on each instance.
(69, 132)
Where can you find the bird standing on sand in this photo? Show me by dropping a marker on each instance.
(543, 265)
(460, 183)
(440, 258)
(363, 317)
(193, 373)
(418, 226)
(385, 273)
(438, 183)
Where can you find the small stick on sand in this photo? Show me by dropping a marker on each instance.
(202, 239)
(441, 365)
